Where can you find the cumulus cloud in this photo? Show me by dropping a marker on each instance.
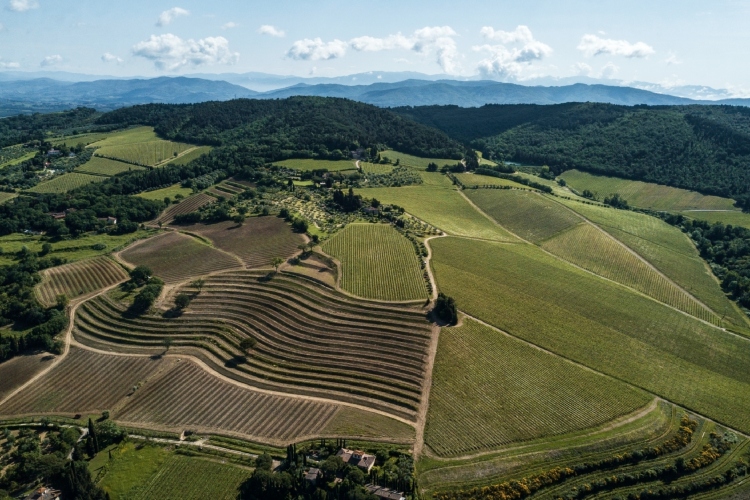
(269, 30)
(672, 59)
(167, 16)
(437, 40)
(23, 5)
(171, 52)
(51, 60)
(592, 45)
(8, 65)
(316, 49)
(608, 71)
(108, 58)
(230, 25)
(517, 50)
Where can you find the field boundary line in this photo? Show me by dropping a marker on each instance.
(179, 155)
(633, 290)
(424, 405)
(593, 370)
(201, 364)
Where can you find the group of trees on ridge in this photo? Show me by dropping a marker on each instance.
(703, 148)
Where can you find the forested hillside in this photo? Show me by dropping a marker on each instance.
(294, 127)
(704, 148)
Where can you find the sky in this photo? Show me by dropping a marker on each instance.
(661, 41)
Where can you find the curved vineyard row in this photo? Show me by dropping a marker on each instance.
(591, 249)
(490, 390)
(190, 398)
(189, 204)
(529, 215)
(377, 262)
(83, 382)
(310, 339)
(78, 278)
(175, 257)
(255, 242)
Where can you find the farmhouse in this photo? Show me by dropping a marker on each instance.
(358, 458)
(385, 493)
(312, 475)
(371, 211)
(44, 493)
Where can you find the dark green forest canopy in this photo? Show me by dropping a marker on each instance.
(294, 127)
(24, 128)
(704, 148)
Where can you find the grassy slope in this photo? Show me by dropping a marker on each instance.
(105, 166)
(491, 390)
(734, 218)
(415, 161)
(6, 196)
(667, 249)
(66, 182)
(533, 296)
(310, 164)
(377, 263)
(439, 204)
(646, 194)
(471, 180)
(171, 191)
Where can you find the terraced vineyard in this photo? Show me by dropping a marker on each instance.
(175, 257)
(490, 390)
(78, 278)
(194, 479)
(310, 339)
(256, 242)
(83, 383)
(377, 262)
(529, 215)
(66, 182)
(592, 249)
(105, 166)
(189, 204)
(190, 398)
(533, 296)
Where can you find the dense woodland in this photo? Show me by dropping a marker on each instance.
(704, 148)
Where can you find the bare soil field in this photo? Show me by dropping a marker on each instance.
(17, 371)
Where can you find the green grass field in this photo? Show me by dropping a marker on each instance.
(376, 168)
(645, 194)
(85, 139)
(171, 192)
(66, 182)
(734, 217)
(531, 295)
(438, 203)
(471, 180)
(377, 263)
(306, 164)
(594, 250)
(490, 390)
(667, 249)
(105, 166)
(130, 469)
(189, 156)
(16, 161)
(529, 215)
(415, 161)
(7, 196)
(128, 136)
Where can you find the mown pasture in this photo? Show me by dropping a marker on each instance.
(66, 182)
(377, 262)
(595, 250)
(167, 192)
(733, 217)
(104, 166)
(375, 168)
(256, 242)
(187, 205)
(645, 194)
(82, 383)
(188, 397)
(175, 257)
(78, 278)
(529, 215)
(308, 164)
(309, 338)
(490, 390)
(441, 206)
(17, 371)
(667, 249)
(531, 295)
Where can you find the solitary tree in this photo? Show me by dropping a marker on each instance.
(276, 263)
(182, 301)
(248, 343)
(61, 301)
(167, 341)
(198, 284)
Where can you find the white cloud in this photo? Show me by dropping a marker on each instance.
(51, 60)
(672, 59)
(171, 52)
(230, 25)
(510, 62)
(108, 58)
(167, 16)
(592, 45)
(23, 5)
(316, 49)
(583, 69)
(8, 65)
(608, 71)
(267, 29)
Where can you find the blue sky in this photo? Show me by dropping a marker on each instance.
(661, 41)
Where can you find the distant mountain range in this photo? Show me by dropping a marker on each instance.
(47, 94)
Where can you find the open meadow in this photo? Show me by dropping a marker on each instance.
(734, 217)
(78, 278)
(416, 161)
(377, 262)
(167, 192)
(537, 298)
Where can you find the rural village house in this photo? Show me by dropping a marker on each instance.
(358, 458)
